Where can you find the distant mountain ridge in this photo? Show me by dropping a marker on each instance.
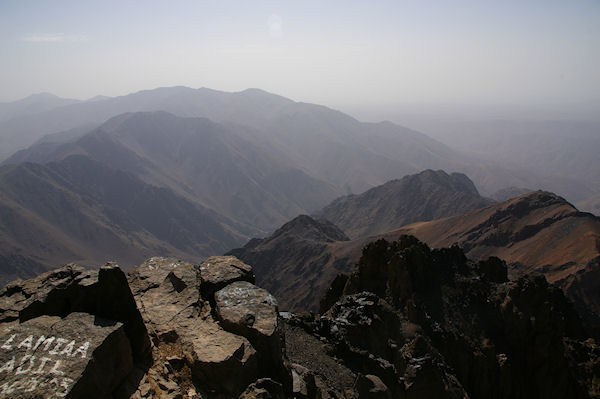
(203, 161)
(33, 104)
(299, 260)
(324, 143)
(250, 160)
(425, 196)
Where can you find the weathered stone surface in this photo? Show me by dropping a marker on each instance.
(189, 354)
(220, 360)
(245, 307)
(303, 382)
(104, 293)
(187, 340)
(217, 272)
(167, 294)
(81, 355)
(247, 310)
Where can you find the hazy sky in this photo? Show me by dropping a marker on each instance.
(329, 52)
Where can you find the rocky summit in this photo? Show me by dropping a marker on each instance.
(408, 322)
(428, 323)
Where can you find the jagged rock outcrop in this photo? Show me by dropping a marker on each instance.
(430, 323)
(538, 232)
(185, 334)
(409, 322)
(78, 333)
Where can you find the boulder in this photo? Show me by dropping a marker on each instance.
(167, 294)
(303, 382)
(217, 272)
(104, 293)
(250, 311)
(218, 359)
(80, 355)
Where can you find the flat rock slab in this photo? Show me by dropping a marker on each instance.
(81, 355)
(219, 271)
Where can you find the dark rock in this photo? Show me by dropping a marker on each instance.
(79, 356)
(429, 323)
(371, 387)
(334, 292)
(331, 377)
(494, 269)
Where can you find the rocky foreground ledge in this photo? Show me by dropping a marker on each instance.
(170, 329)
(409, 322)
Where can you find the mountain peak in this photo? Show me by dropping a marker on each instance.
(420, 197)
(38, 96)
(534, 200)
(304, 226)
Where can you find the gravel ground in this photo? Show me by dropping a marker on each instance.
(306, 350)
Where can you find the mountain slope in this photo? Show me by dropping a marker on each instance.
(80, 210)
(538, 232)
(205, 162)
(290, 262)
(425, 196)
(324, 143)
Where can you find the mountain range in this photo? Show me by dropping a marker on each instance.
(300, 259)
(193, 172)
(538, 232)
(324, 143)
(424, 287)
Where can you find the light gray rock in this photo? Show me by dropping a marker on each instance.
(250, 311)
(217, 272)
